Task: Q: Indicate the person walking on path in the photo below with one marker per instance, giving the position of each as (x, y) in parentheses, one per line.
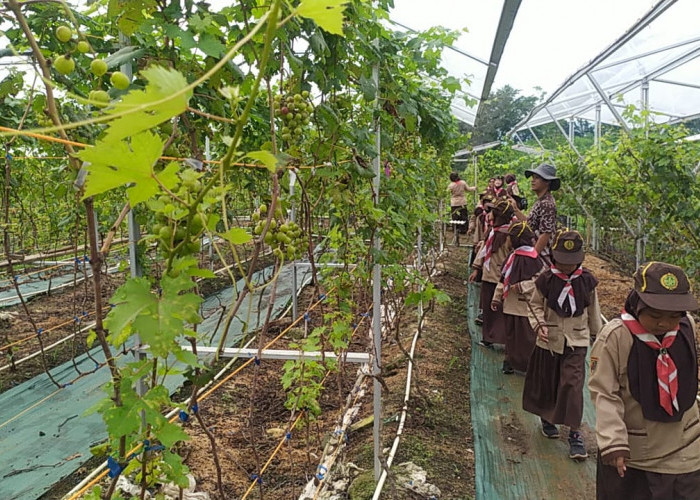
(458, 201)
(643, 384)
(489, 261)
(543, 214)
(517, 278)
(565, 314)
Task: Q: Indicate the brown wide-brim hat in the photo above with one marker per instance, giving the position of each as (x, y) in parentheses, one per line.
(568, 247)
(664, 287)
(547, 172)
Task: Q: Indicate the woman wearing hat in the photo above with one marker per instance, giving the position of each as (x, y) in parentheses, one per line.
(543, 214)
(489, 261)
(458, 201)
(518, 275)
(565, 314)
(644, 385)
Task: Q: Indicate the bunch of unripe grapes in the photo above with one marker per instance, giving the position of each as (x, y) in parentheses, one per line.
(65, 65)
(295, 112)
(173, 234)
(285, 238)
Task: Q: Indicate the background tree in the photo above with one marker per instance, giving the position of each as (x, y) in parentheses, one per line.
(503, 110)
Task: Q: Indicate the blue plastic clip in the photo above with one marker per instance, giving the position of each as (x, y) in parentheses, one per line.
(365, 315)
(307, 317)
(15, 279)
(184, 417)
(86, 258)
(77, 260)
(8, 156)
(321, 474)
(256, 478)
(39, 332)
(288, 436)
(63, 386)
(76, 319)
(256, 360)
(195, 408)
(85, 313)
(322, 296)
(114, 468)
(354, 325)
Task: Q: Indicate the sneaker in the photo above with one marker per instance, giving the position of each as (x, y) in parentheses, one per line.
(507, 368)
(577, 450)
(550, 430)
(487, 345)
(479, 319)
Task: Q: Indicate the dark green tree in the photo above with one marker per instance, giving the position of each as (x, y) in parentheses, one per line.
(500, 113)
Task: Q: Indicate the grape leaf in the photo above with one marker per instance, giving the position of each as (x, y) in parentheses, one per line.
(113, 164)
(328, 14)
(163, 98)
(266, 158)
(236, 236)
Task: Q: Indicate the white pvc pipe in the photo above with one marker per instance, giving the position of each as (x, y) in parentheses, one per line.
(402, 421)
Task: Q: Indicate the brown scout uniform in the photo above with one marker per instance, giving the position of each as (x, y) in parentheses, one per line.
(493, 328)
(621, 429)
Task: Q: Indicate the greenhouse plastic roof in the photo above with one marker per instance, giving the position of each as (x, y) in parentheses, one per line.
(654, 63)
(477, 54)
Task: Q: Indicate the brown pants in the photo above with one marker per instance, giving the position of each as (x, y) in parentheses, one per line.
(644, 485)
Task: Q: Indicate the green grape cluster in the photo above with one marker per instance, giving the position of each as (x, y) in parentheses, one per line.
(285, 238)
(65, 65)
(174, 236)
(294, 111)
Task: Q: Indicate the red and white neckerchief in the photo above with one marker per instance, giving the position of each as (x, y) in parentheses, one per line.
(567, 293)
(498, 191)
(525, 251)
(666, 371)
(488, 245)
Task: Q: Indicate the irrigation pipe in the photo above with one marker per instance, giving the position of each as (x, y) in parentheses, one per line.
(402, 420)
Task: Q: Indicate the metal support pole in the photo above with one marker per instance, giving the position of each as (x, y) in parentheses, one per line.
(596, 129)
(441, 228)
(594, 235)
(571, 130)
(134, 236)
(563, 132)
(376, 287)
(292, 217)
(207, 155)
(419, 265)
(536, 138)
(607, 101)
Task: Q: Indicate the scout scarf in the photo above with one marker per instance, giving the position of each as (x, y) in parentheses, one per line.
(567, 293)
(666, 372)
(523, 251)
(487, 251)
(551, 288)
(642, 372)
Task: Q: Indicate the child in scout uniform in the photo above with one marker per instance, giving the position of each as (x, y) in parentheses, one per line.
(518, 275)
(643, 384)
(564, 313)
(489, 261)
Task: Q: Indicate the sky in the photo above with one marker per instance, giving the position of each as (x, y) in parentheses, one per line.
(550, 39)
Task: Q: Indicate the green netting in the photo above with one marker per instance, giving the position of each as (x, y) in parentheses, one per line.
(513, 459)
(44, 435)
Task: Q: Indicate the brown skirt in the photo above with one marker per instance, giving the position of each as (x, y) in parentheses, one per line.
(644, 485)
(554, 385)
(520, 341)
(494, 328)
